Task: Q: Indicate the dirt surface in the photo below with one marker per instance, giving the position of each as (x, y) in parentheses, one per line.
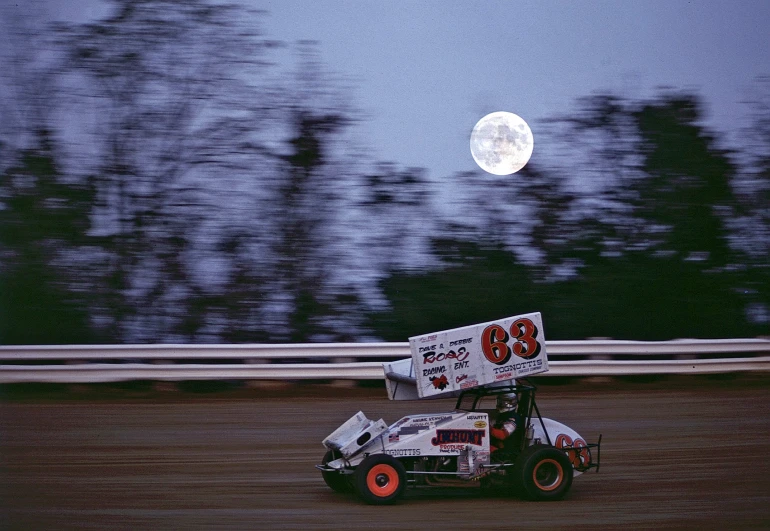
(682, 454)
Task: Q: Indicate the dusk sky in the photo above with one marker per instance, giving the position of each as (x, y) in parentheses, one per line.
(423, 73)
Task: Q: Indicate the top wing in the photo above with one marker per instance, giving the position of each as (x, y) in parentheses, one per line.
(445, 363)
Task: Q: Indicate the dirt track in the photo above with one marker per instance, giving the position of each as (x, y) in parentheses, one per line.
(689, 454)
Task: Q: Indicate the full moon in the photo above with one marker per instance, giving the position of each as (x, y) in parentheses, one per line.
(502, 143)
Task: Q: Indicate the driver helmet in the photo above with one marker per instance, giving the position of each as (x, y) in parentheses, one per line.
(507, 402)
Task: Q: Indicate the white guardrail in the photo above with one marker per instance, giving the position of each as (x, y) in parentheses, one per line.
(341, 361)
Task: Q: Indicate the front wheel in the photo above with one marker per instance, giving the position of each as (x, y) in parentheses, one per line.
(334, 480)
(380, 479)
(543, 473)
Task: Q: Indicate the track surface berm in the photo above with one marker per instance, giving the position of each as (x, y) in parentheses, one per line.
(677, 453)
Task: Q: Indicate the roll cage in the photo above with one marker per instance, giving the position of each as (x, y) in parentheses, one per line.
(473, 400)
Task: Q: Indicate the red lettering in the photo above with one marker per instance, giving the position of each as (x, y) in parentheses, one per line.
(524, 332)
(494, 341)
(493, 344)
(431, 357)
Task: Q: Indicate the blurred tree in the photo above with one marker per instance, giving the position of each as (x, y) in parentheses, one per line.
(750, 223)
(44, 217)
(395, 213)
(473, 284)
(172, 96)
(231, 311)
(394, 219)
(171, 91)
(652, 258)
(42, 221)
(631, 241)
(307, 199)
(484, 251)
(510, 212)
(307, 298)
(684, 201)
(686, 184)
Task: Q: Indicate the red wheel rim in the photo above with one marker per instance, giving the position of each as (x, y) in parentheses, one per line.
(382, 480)
(548, 474)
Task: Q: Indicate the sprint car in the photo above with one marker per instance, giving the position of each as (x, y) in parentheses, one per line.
(378, 462)
(475, 364)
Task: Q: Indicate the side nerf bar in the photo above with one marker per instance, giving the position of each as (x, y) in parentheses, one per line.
(591, 462)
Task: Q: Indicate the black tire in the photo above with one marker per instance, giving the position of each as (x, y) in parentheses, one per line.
(542, 473)
(380, 479)
(335, 481)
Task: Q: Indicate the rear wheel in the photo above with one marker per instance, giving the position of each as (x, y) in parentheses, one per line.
(335, 481)
(543, 473)
(380, 479)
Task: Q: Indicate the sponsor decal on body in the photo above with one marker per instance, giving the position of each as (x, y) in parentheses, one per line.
(437, 418)
(412, 425)
(443, 437)
(401, 452)
(451, 448)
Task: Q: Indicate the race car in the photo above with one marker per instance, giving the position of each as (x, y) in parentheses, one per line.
(378, 462)
(477, 364)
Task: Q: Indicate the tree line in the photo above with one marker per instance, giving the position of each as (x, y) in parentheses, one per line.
(163, 178)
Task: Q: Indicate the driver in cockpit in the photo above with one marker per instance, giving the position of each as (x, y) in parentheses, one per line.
(506, 422)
